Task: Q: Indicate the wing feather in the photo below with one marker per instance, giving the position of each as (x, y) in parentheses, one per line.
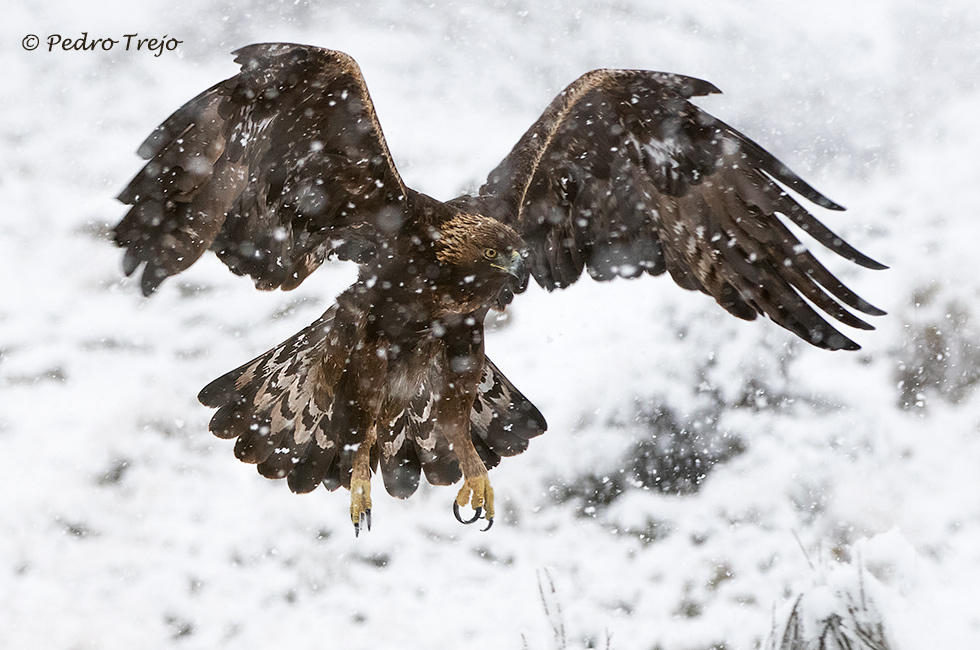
(435, 454)
(623, 175)
(275, 169)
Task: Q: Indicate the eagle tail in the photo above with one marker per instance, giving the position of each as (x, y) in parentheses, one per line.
(502, 422)
(411, 445)
(280, 409)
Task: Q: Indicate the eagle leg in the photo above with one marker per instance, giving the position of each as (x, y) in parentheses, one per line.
(360, 504)
(360, 483)
(463, 361)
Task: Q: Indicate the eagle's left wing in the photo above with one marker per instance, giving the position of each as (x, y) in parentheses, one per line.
(622, 175)
(274, 169)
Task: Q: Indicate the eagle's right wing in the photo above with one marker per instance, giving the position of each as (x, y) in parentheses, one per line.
(275, 169)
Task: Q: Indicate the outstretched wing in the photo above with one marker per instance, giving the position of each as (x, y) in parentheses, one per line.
(622, 175)
(275, 169)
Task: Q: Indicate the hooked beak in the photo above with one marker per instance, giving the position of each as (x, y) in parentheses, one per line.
(516, 267)
(518, 270)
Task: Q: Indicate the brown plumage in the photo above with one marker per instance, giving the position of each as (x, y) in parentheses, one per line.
(284, 166)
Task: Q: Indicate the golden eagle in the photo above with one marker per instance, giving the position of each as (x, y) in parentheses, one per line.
(284, 165)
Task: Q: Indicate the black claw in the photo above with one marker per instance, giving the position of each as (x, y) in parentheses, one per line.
(479, 511)
(489, 524)
(365, 518)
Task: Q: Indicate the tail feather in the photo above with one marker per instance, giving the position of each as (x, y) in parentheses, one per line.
(279, 405)
(264, 435)
(438, 461)
(502, 421)
(399, 459)
(283, 459)
(501, 424)
(312, 469)
(291, 449)
(412, 445)
(333, 478)
(232, 419)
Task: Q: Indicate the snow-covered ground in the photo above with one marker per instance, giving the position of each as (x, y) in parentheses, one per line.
(852, 479)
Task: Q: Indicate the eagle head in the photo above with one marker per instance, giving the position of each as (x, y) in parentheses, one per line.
(485, 257)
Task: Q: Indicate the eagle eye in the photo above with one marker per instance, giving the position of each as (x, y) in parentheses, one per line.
(490, 253)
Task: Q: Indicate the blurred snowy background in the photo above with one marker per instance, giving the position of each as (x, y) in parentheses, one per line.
(699, 475)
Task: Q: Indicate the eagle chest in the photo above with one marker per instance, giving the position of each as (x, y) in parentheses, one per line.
(451, 348)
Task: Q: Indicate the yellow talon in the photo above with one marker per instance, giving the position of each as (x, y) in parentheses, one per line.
(360, 503)
(477, 492)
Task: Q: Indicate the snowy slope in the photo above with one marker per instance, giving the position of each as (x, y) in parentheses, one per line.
(838, 476)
